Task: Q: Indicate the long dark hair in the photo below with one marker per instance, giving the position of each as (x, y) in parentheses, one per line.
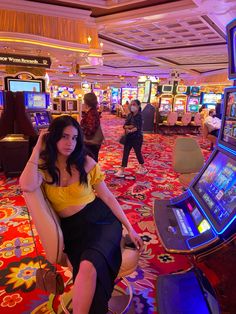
(49, 154)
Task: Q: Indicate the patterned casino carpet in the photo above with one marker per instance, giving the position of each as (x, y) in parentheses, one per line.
(136, 193)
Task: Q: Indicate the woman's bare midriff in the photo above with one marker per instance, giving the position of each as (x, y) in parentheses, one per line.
(70, 210)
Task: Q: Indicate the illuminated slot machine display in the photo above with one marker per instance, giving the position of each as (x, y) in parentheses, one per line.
(1, 102)
(98, 92)
(210, 99)
(141, 88)
(128, 94)
(86, 87)
(147, 91)
(19, 85)
(115, 95)
(180, 100)
(202, 221)
(166, 100)
(193, 99)
(154, 87)
(36, 107)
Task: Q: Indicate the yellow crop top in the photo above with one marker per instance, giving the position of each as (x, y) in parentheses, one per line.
(74, 194)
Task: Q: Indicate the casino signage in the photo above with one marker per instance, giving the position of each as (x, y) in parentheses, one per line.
(10, 59)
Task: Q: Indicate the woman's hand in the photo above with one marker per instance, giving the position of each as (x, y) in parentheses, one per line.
(135, 238)
(41, 139)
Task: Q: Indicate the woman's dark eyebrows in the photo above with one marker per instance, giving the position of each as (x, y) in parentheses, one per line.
(67, 134)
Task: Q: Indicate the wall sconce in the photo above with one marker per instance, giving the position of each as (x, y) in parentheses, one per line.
(101, 45)
(89, 39)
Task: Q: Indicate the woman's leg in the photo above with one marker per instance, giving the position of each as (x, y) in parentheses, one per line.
(137, 145)
(84, 288)
(126, 151)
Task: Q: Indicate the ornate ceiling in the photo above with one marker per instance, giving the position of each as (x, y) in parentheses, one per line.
(138, 37)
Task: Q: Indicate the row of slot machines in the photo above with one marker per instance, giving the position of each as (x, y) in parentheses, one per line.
(204, 217)
(184, 103)
(180, 103)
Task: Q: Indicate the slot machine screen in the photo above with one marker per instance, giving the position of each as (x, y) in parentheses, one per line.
(181, 89)
(36, 100)
(72, 105)
(24, 85)
(211, 99)
(193, 108)
(193, 101)
(167, 89)
(42, 119)
(1, 100)
(228, 130)
(147, 90)
(195, 90)
(216, 190)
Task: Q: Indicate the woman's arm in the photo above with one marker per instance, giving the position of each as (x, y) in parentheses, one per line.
(31, 178)
(109, 199)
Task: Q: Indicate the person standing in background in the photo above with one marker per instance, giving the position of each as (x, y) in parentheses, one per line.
(134, 138)
(90, 124)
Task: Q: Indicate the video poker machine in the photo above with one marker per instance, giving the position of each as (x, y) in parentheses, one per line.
(31, 112)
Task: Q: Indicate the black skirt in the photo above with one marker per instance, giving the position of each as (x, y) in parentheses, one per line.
(94, 234)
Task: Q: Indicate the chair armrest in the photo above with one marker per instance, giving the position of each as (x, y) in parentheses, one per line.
(47, 225)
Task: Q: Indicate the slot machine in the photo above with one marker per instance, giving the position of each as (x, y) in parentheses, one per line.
(202, 221)
(193, 100)
(31, 114)
(166, 100)
(180, 100)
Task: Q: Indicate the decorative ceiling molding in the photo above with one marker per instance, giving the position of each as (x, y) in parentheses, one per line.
(47, 9)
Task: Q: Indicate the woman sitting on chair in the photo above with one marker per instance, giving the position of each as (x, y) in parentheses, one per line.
(91, 218)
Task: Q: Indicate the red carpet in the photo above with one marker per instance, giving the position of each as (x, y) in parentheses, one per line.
(136, 193)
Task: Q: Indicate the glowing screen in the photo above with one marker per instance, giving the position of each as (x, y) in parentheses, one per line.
(217, 189)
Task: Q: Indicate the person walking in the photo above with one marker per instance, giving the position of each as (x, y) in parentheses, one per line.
(134, 138)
